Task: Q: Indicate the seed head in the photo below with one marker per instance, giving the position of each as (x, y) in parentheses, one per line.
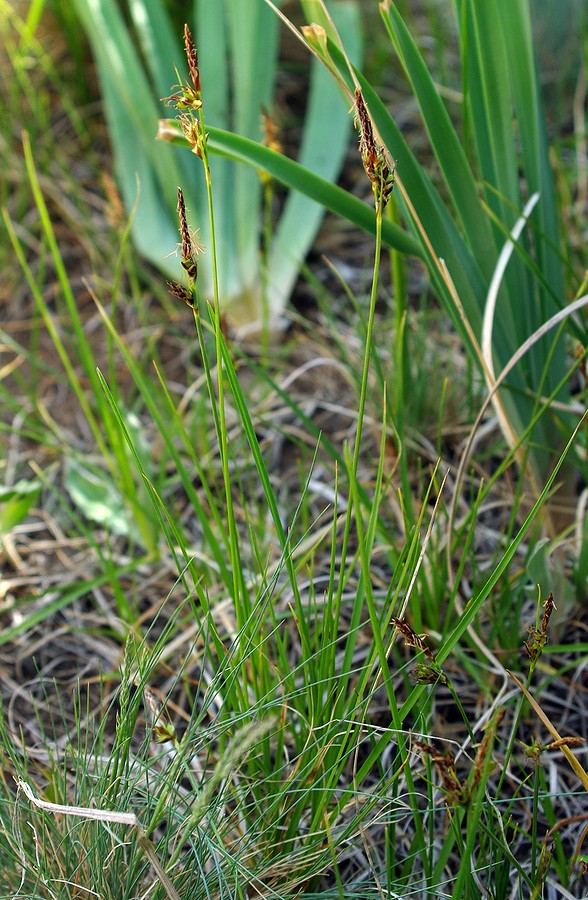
(547, 612)
(180, 293)
(538, 636)
(193, 133)
(373, 156)
(192, 57)
(188, 253)
(188, 96)
(455, 793)
(412, 639)
(483, 762)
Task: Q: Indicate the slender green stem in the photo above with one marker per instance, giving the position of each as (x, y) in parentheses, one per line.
(368, 340)
(349, 650)
(239, 588)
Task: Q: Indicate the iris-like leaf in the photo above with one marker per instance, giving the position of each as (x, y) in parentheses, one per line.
(237, 47)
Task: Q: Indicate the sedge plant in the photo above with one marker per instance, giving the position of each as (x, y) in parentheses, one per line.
(494, 308)
(261, 731)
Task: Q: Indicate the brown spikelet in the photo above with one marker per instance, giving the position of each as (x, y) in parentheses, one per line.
(483, 761)
(538, 636)
(192, 57)
(188, 96)
(188, 256)
(180, 293)
(373, 156)
(547, 612)
(566, 741)
(270, 132)
(184, 230)
(455, 792)
(367, 144)
(411, 638)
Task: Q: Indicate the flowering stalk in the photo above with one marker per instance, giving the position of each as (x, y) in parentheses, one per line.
(382, 179)
(189, 248)
(188, 101)
(429, 672)
(381, 175)
(538, 635)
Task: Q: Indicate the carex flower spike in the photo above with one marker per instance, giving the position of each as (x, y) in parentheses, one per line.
(188, 99)
(180, 293)
(538, 636)
(192, 57)
(373, 155)
(189, 250)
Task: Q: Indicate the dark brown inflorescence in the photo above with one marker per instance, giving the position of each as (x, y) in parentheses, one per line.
(374, 157)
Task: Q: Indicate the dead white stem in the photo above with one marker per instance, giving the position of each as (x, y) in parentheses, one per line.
(422, 554)
(490, 309)
(112, 817)
(569, 310)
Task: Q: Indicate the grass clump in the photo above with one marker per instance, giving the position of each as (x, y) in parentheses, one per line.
(270, 644)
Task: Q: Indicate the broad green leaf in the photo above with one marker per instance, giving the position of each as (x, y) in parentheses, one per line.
(132, 111)
(296, 177)
(98, 498)
(445, 144)
(324, 145)
(486, 197)
(510, 137)
(15, 503)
